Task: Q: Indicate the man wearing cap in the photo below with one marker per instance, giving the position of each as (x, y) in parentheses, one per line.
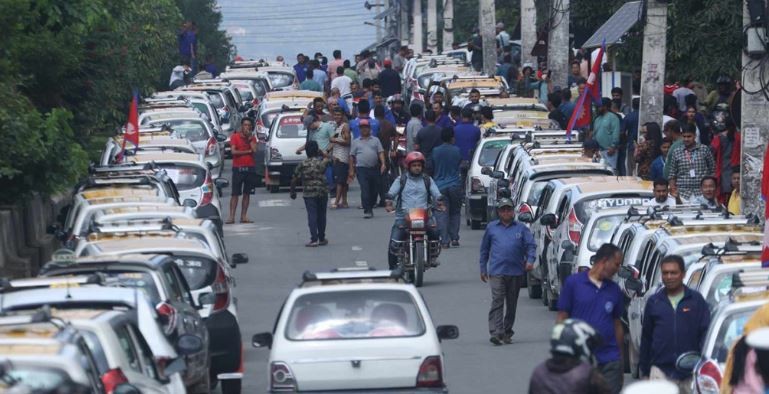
(507, 253)
(367, 161)
(389, 80)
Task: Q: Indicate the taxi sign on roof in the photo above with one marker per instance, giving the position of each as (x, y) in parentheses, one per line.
(290, 120)
(293, 93)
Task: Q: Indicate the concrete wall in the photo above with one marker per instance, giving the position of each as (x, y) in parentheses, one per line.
(24, 243)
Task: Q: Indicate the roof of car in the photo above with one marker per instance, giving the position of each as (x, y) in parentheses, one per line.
(165, 157)
(483, 82)
(118, 191)
(48, 348)
(567, 164)
(145, 200)
(497, 101)
(145, 208)
(714, 233)
(616, 184)
(292, 94)
(275, 68)
(150, 244)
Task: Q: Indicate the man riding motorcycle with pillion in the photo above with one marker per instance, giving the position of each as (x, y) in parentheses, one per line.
(411, 190)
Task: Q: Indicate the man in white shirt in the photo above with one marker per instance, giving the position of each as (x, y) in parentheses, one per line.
(341, 82)
(661, 195)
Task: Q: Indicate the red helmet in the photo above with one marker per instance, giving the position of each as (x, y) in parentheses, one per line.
(412, 157)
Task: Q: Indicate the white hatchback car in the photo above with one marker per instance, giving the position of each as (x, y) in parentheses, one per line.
(355, 330)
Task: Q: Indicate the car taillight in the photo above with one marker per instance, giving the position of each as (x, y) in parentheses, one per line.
(525, 208)
(167, 314)
(430, 373)
(211, 146)
(281, 378)
(476, 186)
(575, 227)
(208, 191)
(275, 154)
(113, 378)
(254, 103)
(221, 290)
(709, 378)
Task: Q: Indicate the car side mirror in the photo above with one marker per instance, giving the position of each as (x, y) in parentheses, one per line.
(497, 174)
(188, 344)
(686, 362)
(628, 272)
(221, 183)
(635, 286)
(503, 183)
(126, 388)
(239, 258)
(188, 202)
(525, 217)
(447, 332)
(262, 340)
(547, 220)
(261, 136)
(176, 366)
(207, 299)
(486, 171)
(220, 137)
(567, 245)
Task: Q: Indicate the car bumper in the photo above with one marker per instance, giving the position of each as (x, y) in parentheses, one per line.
(477, 206)
(280, 174)
(224, 342)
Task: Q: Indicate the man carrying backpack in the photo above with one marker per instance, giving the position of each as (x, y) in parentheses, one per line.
(411, 190)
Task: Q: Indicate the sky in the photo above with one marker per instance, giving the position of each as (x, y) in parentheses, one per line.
(268, 28)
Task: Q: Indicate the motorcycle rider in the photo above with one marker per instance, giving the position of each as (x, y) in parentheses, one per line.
(413, 189)
(571, 369)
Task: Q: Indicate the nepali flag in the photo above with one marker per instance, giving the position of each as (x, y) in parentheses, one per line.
(581, 116)
(765, 197)
(132, 126)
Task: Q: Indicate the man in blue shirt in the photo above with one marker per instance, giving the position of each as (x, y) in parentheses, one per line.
(300, 68)
(446, 160)
(593, 297)
(466, 137)
(363, 113)
(508, 251)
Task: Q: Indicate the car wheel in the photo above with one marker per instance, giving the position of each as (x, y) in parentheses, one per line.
(475, 224)
(419, 265)
(274, 188)
(535, 291)
(231, 386)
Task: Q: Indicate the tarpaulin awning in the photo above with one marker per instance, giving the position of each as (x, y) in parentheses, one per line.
(616, 27)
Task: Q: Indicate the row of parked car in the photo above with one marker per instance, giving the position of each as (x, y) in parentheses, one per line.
(140, 299)
(574, 204)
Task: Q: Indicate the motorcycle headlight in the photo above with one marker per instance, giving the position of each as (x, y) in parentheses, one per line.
(418, 224)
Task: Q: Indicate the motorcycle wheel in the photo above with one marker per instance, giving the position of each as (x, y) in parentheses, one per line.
(419, 266)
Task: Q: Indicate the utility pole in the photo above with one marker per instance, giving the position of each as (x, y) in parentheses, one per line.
(416, 12)
(528, 32)
(448, 24)
(653, 63)
(403, 22)
(432, 26)
(755, 123)
(558, 47)
(487, 25)
(377, 9)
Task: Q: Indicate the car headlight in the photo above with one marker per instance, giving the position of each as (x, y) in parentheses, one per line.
(275, 154)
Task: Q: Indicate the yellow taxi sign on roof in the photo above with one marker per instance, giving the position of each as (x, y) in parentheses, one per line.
(745, 233)
(292, 93)
(29, 349)
(501, 102)
(150, 156)
(118, 192)
(495, 82)
(131, 234)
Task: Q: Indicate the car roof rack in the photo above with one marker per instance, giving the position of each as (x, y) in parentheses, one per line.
(351, 275)
(731, 247)
(8, 285)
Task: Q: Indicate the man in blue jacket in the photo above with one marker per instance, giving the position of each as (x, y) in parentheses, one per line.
(675, 321)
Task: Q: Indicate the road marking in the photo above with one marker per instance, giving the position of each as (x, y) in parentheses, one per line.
(274, 203)
(357, 248)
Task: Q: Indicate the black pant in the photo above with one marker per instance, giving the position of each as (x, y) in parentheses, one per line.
(397, 233)
(384, 186)
(504, 290)
(368, 178)
(316, 217)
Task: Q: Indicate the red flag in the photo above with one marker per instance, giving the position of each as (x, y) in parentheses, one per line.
(132, 126)
(581, 115)
(765, 197)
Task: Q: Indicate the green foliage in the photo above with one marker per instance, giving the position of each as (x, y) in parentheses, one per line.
(466, 17)
(211, 40)
(67, 68)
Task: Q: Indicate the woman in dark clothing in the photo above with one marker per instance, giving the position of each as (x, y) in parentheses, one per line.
(649, 149)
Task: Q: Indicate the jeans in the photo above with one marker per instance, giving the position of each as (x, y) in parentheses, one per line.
(504, 290)
(316, 217)
(368, 178)
(621, 161)
(610, 160)
(400, 234)
(330, 180)
(448, 220)
(613, 374)
(384, 186)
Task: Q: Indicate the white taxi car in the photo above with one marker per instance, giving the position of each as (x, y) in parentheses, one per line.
(355, 329)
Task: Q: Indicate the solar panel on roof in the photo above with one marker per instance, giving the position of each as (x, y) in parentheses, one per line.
(616, 27)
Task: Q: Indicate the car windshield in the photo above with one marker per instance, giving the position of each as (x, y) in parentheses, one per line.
(722, 286)
(191, 129)
(730, 331)
(216, 100)
(354, 314)
(491, 151)
(268, 117)
(281, 80)
(602, 231)
(185, 177)
(202, 107)
(585, 207)
(291, 127)
(536, 192)
(245, 91)
(34, 379)
(198, 271)
(135, 279)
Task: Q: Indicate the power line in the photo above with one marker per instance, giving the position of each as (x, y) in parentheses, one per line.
(259, 19)
(294, 4)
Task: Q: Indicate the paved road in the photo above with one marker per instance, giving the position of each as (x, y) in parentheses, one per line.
(454, 292)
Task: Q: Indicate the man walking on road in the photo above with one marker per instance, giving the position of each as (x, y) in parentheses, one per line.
(244, 176)
(312, 174)
(446, 159)
(676, 321)
(367, 160)
(593, 297)
(508, 251)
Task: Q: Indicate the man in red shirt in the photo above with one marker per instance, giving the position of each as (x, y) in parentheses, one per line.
(244, 176)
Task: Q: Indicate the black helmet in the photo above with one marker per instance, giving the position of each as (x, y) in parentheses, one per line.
(724, 79)
(575, 338)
